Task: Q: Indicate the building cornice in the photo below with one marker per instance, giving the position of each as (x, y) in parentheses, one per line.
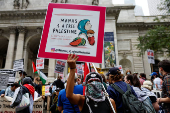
(141, 24)
(22, 13)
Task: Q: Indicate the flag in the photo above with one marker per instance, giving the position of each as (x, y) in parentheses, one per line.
(34, 68)
(43, 77)
(86, 71)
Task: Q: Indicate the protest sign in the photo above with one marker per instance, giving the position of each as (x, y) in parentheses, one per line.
(47, 92)
(3, 81)
(11, 74)
(40, 63)
(71, 28)
(5, 105)
(18, 65)
(120, 68)
(150, 54)
(60, 65)
(79, 69)
(43, 90)
(109, 50)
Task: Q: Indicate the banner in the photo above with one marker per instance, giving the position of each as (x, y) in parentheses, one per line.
(150, 54)
(3, 81)
(40, 63)
(71, 28)
(11, 74)
(18, 65)
(5, 105)
(60, 65)
(109, 50)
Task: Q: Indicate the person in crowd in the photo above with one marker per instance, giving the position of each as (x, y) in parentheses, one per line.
(64, 103)
(164, 70)
(22, 76)
(142, 78)
(58, 83)
(104, 81)
(2, 91)
(54, 107)
(37, 85)
(10, 90)
(128, 72)
(153, 76)
(142, 92)
(157, 82)
(94, 100)
(27, 87)
(115, 77)
(79, 82)
(135, 73)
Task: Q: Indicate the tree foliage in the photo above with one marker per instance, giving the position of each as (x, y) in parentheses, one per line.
(157, 38)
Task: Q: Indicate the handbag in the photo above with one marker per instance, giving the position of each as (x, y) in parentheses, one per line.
(25, 102)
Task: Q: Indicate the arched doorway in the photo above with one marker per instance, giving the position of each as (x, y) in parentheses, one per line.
(3, 51)
(155, 66)
(32, 51)
(126, 65)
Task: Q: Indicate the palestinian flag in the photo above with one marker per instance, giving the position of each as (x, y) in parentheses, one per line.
(34, 68)
(43, 77)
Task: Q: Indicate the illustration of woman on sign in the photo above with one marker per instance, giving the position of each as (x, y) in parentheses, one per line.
(85, 33)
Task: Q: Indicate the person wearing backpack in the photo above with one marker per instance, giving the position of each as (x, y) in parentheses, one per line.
(144, 94)
(94, 100)
(122, 93)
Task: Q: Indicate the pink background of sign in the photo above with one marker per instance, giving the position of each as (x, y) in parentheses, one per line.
(98, 58)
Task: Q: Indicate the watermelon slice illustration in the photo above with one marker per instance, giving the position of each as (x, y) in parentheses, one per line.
(78, 42)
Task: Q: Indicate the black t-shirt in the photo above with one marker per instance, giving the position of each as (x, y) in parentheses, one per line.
(59, 84)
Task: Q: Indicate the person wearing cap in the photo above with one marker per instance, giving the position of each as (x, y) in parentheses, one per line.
(54, 107)
(94, 100)
(157, 82)
(64, 103)
(115, 77)
(10, 90)
(22, 76)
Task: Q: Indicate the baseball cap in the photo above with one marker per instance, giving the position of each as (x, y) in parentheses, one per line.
(153, 73)
(92, 76)
(57, 89)
(113, 71)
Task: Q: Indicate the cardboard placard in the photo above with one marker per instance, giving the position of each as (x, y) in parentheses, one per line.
(11, 74)
(5, 105)
(3, 81)
(71, 28)
(40, 63)
(150, 54)
(60, 65)
(18, 65)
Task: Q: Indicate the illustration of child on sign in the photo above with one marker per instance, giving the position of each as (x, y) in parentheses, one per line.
(85, 33)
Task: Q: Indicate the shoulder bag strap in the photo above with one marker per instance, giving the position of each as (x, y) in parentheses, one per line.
(117, 88)
(129, 88)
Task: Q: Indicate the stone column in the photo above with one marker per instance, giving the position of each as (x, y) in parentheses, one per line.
(51, 68)
(20, 43)
(10, 51)
(25, 58)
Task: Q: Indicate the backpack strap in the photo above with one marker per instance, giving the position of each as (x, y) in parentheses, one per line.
(117, 88)
(128, 88)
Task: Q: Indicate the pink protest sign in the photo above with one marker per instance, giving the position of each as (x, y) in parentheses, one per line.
(75, 29)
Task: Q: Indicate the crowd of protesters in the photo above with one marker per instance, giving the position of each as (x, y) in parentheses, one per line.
(113, 92)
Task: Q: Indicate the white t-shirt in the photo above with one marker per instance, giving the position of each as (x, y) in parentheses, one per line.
(157, 81)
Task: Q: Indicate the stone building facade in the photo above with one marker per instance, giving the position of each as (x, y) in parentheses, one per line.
(21, 23)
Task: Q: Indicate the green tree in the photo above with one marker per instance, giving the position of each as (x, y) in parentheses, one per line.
(158, 37)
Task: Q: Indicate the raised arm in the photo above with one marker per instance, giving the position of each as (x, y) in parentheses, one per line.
(73, 98)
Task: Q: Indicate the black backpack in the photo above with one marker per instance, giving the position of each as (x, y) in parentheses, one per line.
(130, 103)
